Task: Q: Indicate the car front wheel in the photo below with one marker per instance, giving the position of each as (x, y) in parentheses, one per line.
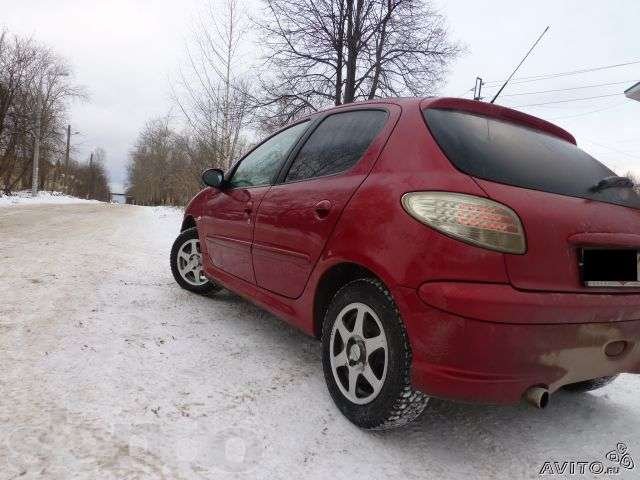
(366, 358)
(186, 263)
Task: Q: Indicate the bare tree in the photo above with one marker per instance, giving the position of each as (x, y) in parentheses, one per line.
(89, 180)
(210, 91)
(165, 165)
(321, 52)
(25, 67)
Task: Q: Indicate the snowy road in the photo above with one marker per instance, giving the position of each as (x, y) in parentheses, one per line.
(110, 371)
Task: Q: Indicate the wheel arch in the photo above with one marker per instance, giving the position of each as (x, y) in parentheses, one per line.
(332, 280)
(188, 222)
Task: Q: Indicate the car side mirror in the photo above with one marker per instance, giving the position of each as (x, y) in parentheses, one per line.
(213, 177)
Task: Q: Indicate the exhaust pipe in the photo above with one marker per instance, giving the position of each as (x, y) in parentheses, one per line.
(537, 396)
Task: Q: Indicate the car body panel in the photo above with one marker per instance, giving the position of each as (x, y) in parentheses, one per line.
(490, 362)
(292, 227)
(494, 302)
(382, 230)
(551, 262)
(295, 219)
(194, 208)
(227, 221)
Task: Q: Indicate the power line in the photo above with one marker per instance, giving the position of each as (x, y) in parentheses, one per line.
(534, 78)
(614, 149)
(564, 101)
(567, 89)
(616, 105)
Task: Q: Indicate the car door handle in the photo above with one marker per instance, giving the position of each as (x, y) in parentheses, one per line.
(248, 208)
(322, 209)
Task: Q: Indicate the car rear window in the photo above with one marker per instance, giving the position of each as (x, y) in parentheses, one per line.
(512, 154)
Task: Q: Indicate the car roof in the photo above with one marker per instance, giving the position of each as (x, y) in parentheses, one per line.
(472, 106)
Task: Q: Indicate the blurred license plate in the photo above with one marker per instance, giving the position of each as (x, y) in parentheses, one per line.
(610, 267)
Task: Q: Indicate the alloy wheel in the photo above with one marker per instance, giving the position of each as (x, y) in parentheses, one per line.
(190, 263)
(359, 353)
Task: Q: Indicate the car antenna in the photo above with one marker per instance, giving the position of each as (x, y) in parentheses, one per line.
(521, 62)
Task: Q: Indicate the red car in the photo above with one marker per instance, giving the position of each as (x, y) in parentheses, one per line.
(438, 247)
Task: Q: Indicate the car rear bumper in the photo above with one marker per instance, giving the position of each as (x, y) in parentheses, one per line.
(468, 346)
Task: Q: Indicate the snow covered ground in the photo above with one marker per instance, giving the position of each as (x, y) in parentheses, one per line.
(110, 371)
(23, 197)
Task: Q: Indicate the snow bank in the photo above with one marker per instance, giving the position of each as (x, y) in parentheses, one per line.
(24, 197)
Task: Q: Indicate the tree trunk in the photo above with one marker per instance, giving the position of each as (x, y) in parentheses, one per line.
(339, 48)
(354, 33)
(379, 49)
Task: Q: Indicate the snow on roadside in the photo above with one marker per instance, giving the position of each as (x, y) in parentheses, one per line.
(165, 211)
(24, 197)
(111, 370)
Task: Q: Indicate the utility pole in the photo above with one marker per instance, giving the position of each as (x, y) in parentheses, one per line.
(90, 176)
(66, 156)
(36, 142)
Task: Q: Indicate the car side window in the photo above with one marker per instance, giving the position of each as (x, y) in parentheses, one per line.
(262, 165)
(337, 144)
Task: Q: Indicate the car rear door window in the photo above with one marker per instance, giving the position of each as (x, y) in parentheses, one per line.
(337, 144)
(261, 165)
(512, 154)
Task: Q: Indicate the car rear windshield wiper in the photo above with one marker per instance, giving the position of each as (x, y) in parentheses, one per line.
(612, 182)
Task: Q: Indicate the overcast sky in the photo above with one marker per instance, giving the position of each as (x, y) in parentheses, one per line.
(125, 52)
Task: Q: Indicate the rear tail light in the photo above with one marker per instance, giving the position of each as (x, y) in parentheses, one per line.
(474, 220)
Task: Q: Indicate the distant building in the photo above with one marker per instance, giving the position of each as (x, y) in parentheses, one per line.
(633, 92)
(119, 197)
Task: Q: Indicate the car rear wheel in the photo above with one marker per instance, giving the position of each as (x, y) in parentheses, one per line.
(367, 358)
(186, 263)
(589, 385)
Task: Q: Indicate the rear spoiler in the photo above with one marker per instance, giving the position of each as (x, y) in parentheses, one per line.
(498, 112)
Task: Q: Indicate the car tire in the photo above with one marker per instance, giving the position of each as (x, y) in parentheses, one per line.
(588, 385)
(376, 345)
(186, 263)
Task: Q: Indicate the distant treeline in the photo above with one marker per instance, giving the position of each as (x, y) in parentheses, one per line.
(166, 165)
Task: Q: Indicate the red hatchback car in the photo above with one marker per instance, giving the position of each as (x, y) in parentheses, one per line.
(438, 247)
